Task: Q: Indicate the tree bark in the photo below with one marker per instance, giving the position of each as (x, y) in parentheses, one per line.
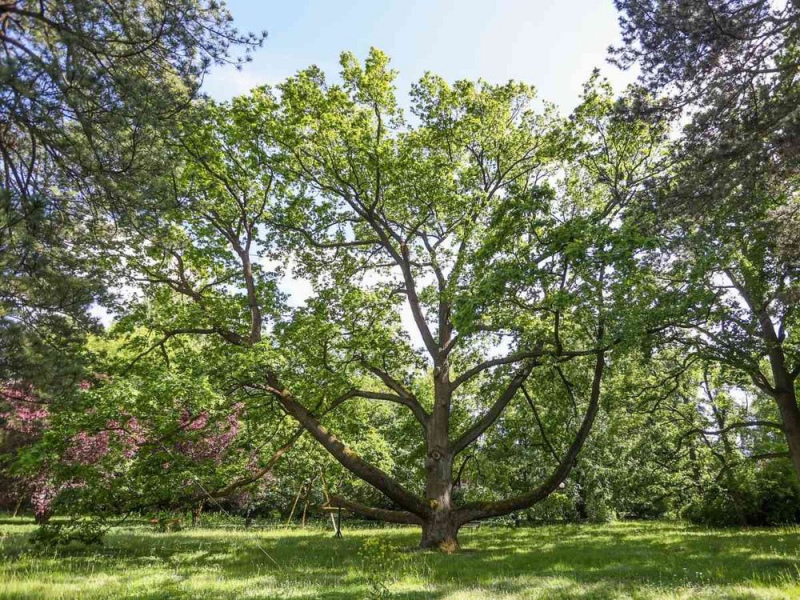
(381, 514)
(783, 378)
(790, 414)
(439, 529)
(440, 532)
(783, 390)
(346, 456)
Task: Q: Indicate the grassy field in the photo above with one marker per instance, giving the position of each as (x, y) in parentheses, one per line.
(619, 560)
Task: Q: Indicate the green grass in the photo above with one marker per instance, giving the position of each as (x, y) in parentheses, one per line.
(621, 560)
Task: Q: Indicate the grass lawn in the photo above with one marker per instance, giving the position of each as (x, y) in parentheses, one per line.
(619, 560)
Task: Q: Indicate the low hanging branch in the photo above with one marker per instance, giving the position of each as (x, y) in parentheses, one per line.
(381, 514)
(263, 471)
(347, 457)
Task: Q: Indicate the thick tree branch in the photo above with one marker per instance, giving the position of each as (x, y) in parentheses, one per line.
(416, 305)
(381, 514)
(345, 455)
(403, 395)
(263, 471)
(417, 410)
(495, 362)
(482, 510)
(491, 415)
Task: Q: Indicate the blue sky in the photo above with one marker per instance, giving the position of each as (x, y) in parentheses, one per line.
(553, 45)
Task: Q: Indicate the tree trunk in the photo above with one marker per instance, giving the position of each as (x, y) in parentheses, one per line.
(294, 506)
(306, 501)
(697, 478)
(730, 480)
(196, 512)
(17, 506)
(581, 500)
(440, 533)
(439, 529)
(783, 381)
(785, 397)
(790, 415)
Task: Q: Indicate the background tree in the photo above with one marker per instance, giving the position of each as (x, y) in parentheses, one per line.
(155, 431)
(730, 203)
(85, 88)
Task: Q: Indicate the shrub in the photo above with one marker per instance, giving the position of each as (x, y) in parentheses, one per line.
(768, 495)
(88, 533)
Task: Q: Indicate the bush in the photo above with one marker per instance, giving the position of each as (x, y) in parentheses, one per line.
(88, 533)
(769, 495)
(778, 494)
(558, 506)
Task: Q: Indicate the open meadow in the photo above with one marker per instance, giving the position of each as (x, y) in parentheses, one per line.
(640, 560)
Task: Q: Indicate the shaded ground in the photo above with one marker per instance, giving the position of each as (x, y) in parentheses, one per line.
(621, 560)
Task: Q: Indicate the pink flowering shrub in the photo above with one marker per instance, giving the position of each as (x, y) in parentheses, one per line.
(90, 448)
(218, 435)
(21, 411)
(101, 445)
(23, 417)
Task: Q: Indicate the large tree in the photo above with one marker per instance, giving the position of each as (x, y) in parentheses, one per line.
(450, 261)
(729, 207)
(87, 90)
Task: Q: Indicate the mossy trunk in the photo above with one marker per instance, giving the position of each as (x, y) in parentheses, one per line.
(439, 530)
(440, 533)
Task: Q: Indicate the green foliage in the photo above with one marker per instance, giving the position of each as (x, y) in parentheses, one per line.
(85, 532)
(472, 264)
(763, 496)
(89, 93)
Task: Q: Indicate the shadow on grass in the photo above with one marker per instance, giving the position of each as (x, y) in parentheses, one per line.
(597, 561)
